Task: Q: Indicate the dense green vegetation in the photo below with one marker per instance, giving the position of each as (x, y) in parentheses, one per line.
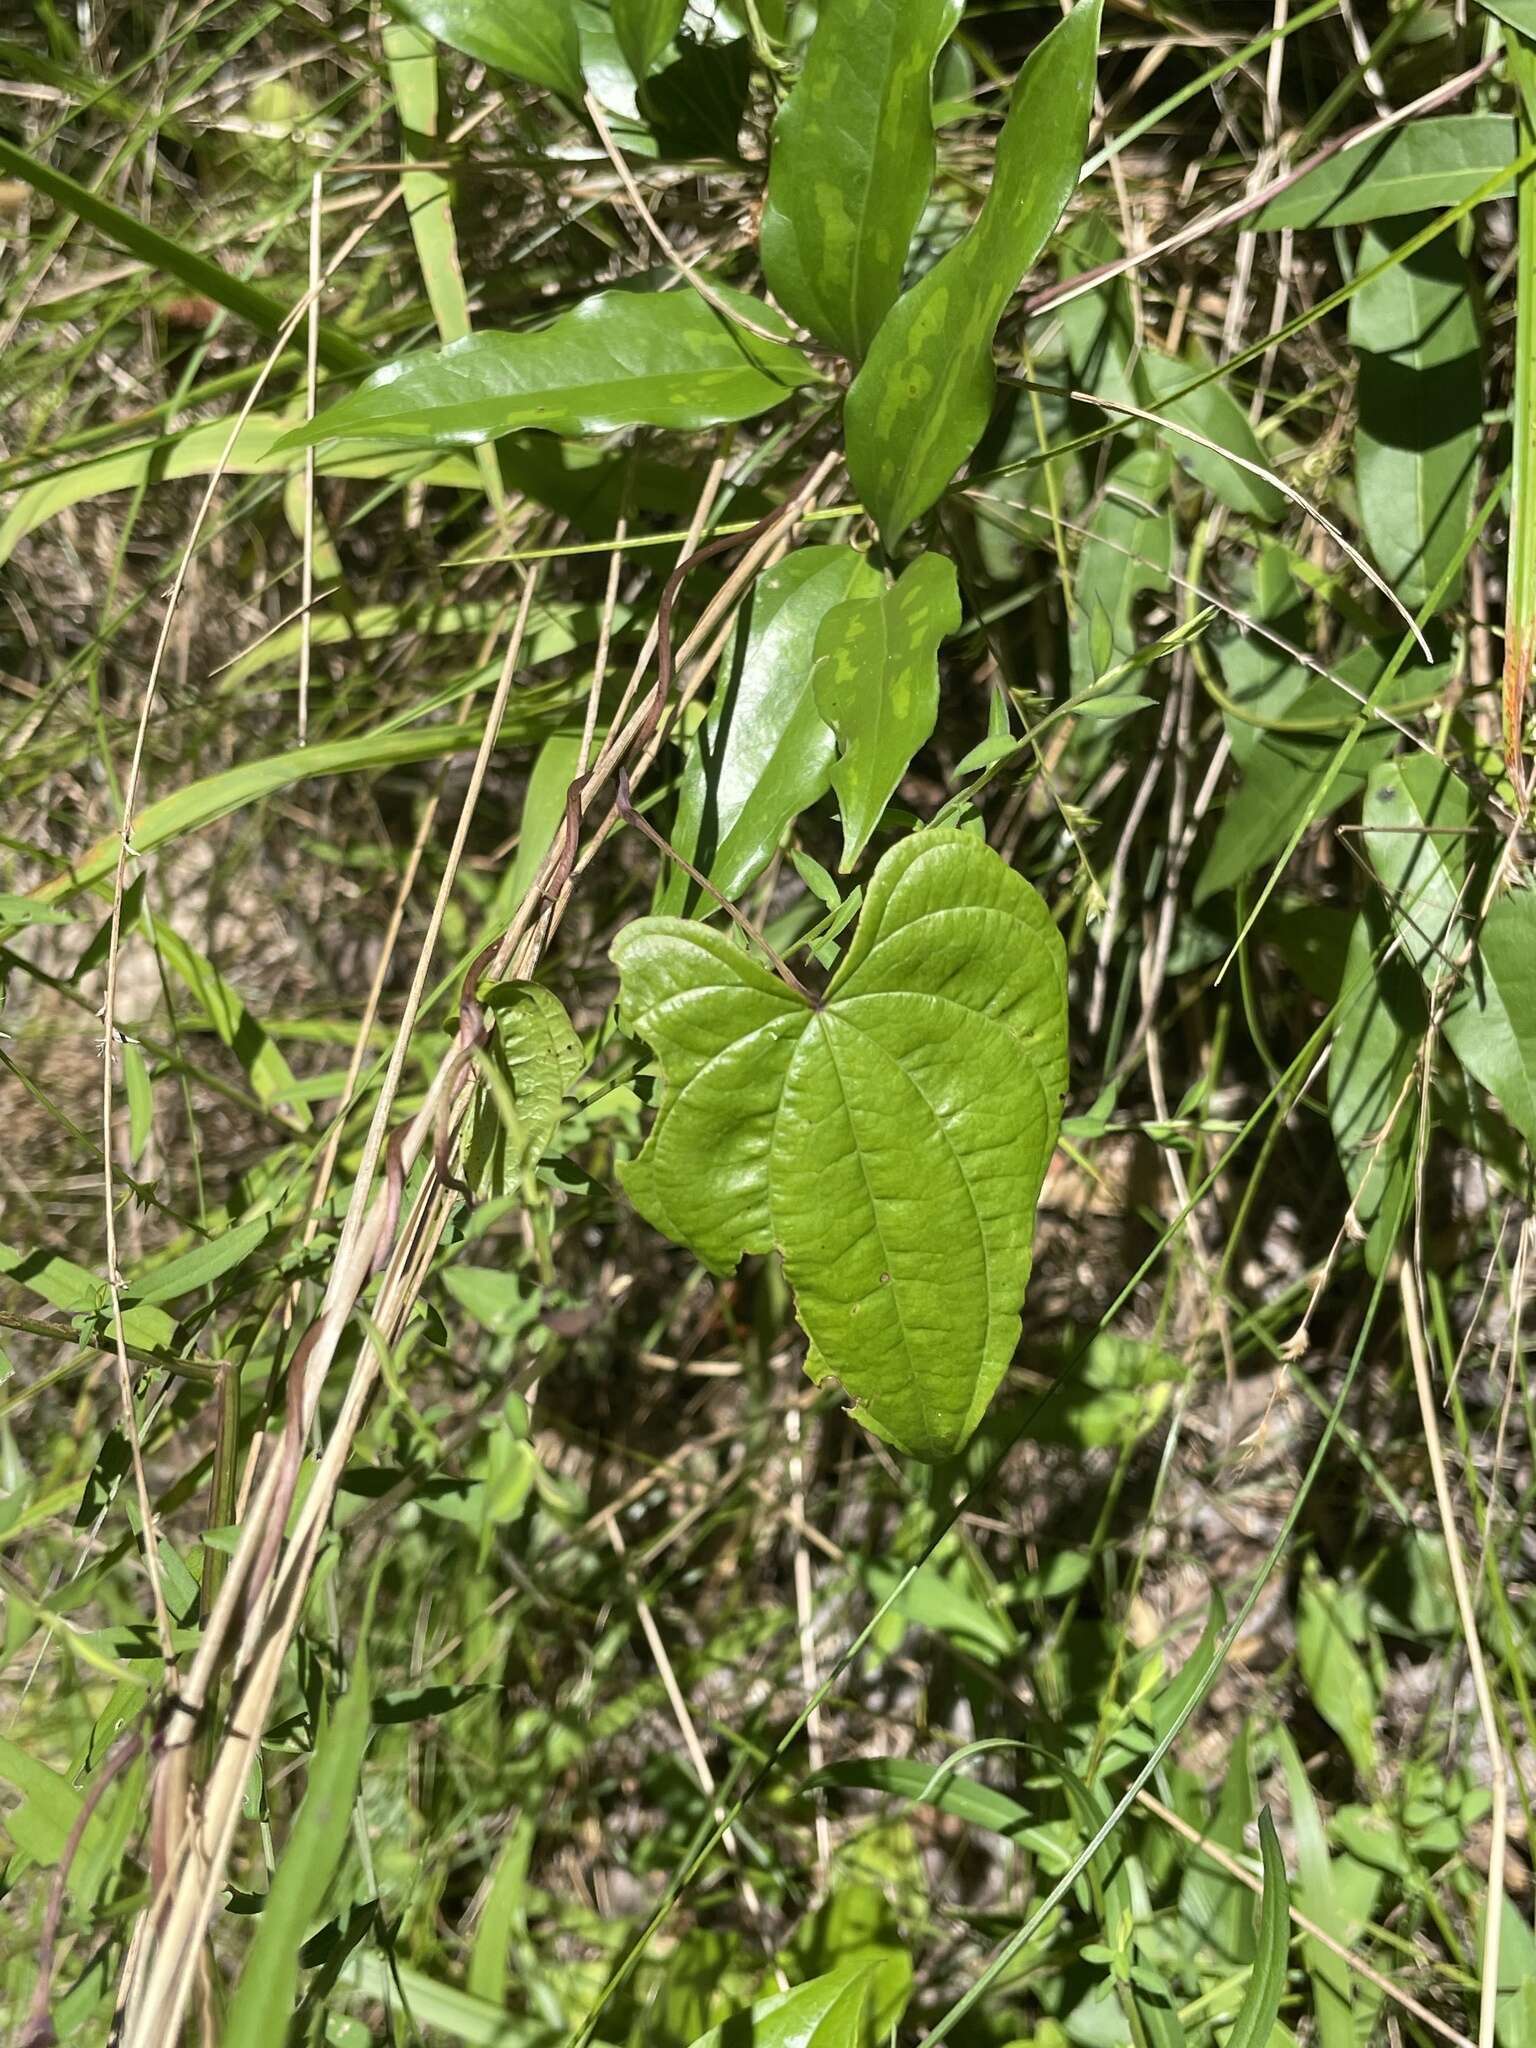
(769, 1023)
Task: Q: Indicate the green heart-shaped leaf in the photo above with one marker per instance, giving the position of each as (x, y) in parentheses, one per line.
(889, 1141)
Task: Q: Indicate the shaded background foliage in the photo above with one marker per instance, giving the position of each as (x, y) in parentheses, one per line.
(594, 1483)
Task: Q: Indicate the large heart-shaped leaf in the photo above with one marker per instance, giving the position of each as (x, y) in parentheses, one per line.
(889, 1140)
(922, 400)
(876, 683)
(852, 165)
(619, 359)
(854, 2006)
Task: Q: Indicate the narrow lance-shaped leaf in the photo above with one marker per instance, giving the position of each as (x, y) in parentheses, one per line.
(876, 683)
(619, 359)
(1429, 164)
(1491, 1024)
(1266, 1984)
(1421, 411)
(922, 400)
(764, 752)
(854, 2006)
(852, 165)
(889, 1140)
(533, 39)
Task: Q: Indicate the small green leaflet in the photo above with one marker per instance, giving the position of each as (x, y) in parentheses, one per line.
(852, 165)
(763, 753)
(619, 359)
(924, 396)
(889, 1142)
(533, 39)
(1421, 411)
(876, 683)
(854, 2006)
(1431, 163)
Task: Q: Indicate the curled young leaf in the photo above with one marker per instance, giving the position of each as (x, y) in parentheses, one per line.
(889, 1140)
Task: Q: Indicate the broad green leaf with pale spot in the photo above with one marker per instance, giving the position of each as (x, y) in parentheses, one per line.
(854, 2006)
(1430, 164)
(763, 753)
(534, 39)
(876, 683)
(619, 359)
(1421, 411)
(923, 398)
(852, 165)
(889, 1141)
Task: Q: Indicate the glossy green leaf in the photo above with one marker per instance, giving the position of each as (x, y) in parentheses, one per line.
(890, 1142)
(1421, 411)
(533, 39)
(853, 2006)
(1213, 412)
(618, 359)
(1432, 163)
(876, 683)
(852, 165)
(764, 752)
(1520, 14)
(644, 29)
(1371, 1106)
(922, 400)
(265, 1994)
(1260, 2008)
